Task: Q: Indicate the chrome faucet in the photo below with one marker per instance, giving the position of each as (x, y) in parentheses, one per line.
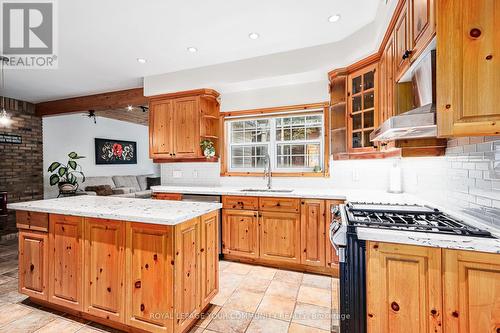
(267, 171)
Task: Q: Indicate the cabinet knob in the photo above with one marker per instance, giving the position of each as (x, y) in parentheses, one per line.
(455, 314)
(32, 267)
(395, 306)
(407, 54)
(137, 284)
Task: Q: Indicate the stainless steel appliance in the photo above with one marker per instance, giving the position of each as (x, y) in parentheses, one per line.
(351, 250)
(207, 198)
(420, 122)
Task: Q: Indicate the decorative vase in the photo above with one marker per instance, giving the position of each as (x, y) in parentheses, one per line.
(209, 152)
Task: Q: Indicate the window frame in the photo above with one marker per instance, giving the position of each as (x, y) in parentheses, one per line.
(272, 114)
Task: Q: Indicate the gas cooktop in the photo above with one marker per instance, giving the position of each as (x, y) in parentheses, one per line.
(409, 218)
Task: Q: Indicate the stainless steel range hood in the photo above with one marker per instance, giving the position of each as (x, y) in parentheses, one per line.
(415, 124)
(420, 122)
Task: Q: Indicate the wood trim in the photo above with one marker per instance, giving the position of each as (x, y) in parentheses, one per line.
(99, 102)
(267, 111)
(363, 63)
(187, 93)
(177, 160)
(283, 265)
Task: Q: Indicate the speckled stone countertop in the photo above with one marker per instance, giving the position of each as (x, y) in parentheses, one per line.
(123, 209)
(307, 193)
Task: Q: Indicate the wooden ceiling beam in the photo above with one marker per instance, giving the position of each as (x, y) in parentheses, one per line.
(99, 102)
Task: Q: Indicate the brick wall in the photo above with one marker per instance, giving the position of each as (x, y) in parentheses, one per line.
(21, 164)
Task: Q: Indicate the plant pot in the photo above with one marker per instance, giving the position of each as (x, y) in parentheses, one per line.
(67, 187)
(209, 152)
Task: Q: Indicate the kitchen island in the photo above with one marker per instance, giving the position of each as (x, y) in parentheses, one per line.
(133, 264)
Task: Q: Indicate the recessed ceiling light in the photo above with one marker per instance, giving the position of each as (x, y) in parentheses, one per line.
(141, 60)
(130, 107)
(253, 35)
(192, 49)
(334, 18)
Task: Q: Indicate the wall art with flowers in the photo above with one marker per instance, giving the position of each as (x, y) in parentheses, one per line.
(109, 151)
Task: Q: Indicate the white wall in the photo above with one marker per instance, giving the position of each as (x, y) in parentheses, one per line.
(64, 134)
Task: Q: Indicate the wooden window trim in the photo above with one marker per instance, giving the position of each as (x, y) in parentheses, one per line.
(293, 110)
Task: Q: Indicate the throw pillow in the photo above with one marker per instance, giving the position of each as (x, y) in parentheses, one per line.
(152, 181)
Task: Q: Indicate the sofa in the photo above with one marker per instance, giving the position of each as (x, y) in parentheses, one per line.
(122, 186)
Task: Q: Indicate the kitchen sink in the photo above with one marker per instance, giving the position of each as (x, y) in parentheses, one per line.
(265, 190)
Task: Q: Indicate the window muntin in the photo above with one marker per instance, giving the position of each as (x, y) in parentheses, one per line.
(295, 143)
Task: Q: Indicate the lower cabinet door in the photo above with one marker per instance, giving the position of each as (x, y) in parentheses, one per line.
(104, 272)
(240, 233)
(471, 291)
(312, 232)
(187, 274)
(66, 263)
(33, 268)
(209, 257)
(149, 268)
(280, 237)
(403, 288)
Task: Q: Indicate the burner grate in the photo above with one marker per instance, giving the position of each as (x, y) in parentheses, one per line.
(409, 218)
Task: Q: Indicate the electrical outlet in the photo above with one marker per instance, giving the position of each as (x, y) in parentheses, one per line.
(177, 174)
(355, 175)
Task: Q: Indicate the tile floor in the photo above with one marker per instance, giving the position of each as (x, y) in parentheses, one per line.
(251, 299)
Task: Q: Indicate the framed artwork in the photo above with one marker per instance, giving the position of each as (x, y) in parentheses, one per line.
(108, 151)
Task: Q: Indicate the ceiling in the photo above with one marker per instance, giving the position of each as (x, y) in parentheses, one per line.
(99, 41)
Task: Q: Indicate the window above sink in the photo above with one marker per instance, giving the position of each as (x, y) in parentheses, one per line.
(294, 139)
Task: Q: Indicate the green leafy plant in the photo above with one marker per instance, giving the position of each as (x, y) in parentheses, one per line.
(207, 148)
(66, 173)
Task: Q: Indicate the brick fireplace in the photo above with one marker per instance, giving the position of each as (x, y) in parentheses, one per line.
(21, 167)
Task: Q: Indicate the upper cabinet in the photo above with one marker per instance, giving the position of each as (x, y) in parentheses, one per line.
(468, 67)
(423, 24)
(362, 107)
(178, 122)
(402, 42)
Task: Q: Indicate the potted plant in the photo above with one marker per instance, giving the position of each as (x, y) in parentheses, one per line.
(64, 175)
(208, 148)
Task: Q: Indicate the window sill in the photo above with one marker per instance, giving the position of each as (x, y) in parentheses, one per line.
(276, 174)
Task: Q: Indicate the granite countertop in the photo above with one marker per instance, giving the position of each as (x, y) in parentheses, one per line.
(308, 193)
(122, 209)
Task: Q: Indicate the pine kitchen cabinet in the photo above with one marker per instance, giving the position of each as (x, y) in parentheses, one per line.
(178, 122)
(153, 267)
(33, 264)
(468, 68)
(427, 289)
(280, 232)
(312, 232)
(403, 286)
(471, 291)
(240, 236)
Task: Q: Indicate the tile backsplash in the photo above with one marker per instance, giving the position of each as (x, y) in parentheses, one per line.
(467, 179)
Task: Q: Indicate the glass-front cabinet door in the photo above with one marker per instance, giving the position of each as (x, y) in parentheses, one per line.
(362, 108)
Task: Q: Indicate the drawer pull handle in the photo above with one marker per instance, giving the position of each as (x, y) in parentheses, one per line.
(395, 306)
